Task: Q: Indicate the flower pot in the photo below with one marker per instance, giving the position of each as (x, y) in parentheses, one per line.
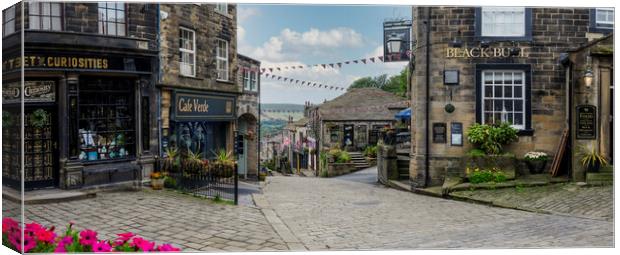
(593, 168)
(536, 166)
(157, 184)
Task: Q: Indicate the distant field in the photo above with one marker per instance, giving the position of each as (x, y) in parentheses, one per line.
(275, 116)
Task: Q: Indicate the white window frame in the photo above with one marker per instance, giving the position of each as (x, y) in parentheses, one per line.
(254, 81)
(597, 22)
(192, 52)
(104, 22)
(503, 97)
(37, 18)
(8, 21)
(495, 13)
(246, 80)
(221, 8)
(222, 74)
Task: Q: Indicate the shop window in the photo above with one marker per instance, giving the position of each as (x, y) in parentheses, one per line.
(206, 138)
(112, 18)
(221, 8)
(334, 133)
(246, 80)
(45, 16)
(222, 59)
(106, 119)
(253, 81)
(602, 20)
(504, 95)
(187, 50)
(8, 21)
(513, 23)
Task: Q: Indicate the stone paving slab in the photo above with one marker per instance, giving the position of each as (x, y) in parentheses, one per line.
(336, 214)
(188, 222)
(593, 202)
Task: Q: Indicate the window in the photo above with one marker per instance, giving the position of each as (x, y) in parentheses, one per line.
(106, 119)
(246, 80)
(8, 21)
(510, 23)
(504, 97)
(602, 20)
(253, 82)
(112, 18)
(221, 8)
(187, 50)
(44, 16)
(222, 59)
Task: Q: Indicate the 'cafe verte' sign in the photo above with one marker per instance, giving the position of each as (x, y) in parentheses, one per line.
(479, 52)
(191, 106)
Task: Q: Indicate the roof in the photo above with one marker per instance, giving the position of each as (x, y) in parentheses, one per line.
(301, 122)
(361, 104)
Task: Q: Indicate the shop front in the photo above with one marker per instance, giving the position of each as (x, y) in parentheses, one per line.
(200, 123)
(86, 118)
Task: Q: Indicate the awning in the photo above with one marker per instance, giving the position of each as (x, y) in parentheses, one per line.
(404, 114)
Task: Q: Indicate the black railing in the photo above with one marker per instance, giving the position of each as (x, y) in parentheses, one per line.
(218, 183)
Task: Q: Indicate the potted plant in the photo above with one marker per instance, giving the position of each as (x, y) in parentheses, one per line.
(223, 163)
(157, 180)
(536, 161)
(591, 159)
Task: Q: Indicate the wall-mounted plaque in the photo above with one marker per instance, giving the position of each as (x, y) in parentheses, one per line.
(456, 134)
(586, 122)
(439, 132)
(34, 91)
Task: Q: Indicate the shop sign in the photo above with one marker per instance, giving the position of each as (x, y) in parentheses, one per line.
(34, 91)
(77, 62)
(586, 122)
(196, 107)
(439, 132)
(477, 52)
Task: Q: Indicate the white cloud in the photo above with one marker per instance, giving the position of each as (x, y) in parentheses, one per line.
(244, 13)
(240, 33)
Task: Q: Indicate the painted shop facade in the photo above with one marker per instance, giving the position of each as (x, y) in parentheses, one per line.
(508, 64)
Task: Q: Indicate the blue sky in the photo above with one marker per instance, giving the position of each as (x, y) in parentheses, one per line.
(282, 35)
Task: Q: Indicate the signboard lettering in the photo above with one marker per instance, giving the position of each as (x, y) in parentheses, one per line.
(477, 52)
(34, 91)
(192, 106)
(586, 122)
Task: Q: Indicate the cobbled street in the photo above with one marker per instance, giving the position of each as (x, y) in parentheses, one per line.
(351, 213)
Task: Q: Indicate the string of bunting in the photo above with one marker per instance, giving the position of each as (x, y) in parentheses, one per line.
(301, 82)
(325, 66)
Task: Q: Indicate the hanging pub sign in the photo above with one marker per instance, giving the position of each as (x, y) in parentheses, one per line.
(190, 106)
(439, 132)
(77, 62)
(397, 41)
(34, 92)
(586, 122)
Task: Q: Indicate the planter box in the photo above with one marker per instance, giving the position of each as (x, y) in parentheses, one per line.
(506, 164)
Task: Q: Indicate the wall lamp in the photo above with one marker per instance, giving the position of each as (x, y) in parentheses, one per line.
(456, 43)
(588, 77)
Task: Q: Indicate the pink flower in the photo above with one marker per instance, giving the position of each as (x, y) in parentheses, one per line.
(9, 225)
(88, 237)
(62, 243)
(60, 249)
(32, 228)
(167, 248)
(45, 235)
(143, 244)
(102, 246)
(29, 242)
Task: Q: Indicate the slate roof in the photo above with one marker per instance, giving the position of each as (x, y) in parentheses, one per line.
(362, 104)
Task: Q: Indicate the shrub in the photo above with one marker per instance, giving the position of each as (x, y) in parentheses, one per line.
(476, 153)
(370, 151)
(491, 138)
(479, 176)
(343, 157)
(170, 182)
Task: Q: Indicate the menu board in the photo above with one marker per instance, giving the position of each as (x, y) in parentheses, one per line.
(586, 122)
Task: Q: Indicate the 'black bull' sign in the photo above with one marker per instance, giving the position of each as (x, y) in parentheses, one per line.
(199, 107)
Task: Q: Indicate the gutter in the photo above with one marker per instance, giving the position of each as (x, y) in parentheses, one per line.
(427, 102)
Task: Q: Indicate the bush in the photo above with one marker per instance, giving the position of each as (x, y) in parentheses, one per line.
(370, 151)
(343, 157)
(480, 176)
(476, 153)
(491, 138)
(170, 183)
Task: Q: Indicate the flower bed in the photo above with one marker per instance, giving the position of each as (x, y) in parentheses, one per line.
(38, 239)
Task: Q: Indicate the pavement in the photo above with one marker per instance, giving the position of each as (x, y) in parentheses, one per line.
(353, 212)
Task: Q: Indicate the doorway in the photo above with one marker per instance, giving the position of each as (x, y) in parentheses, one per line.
(40, 147)
(348, 140)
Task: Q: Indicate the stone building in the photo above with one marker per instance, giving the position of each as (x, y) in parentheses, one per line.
(198, 77)
(352, 120)
(89, 92)
(494, 64)
(248, 115)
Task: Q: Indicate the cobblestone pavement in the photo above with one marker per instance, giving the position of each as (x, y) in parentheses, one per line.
(164, 216)
(595, 202)
(341, 214)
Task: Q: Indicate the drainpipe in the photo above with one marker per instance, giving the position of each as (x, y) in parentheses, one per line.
(427, 107)
(159, 75)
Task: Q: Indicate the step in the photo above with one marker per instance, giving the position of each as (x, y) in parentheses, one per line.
(599, 178)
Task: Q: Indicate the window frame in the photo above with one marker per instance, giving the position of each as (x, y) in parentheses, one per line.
(246, 80)
(218, 10)
(596, 27)
(218, 58)
(40, 15)
(6, 21)
(184, 50)
(102, 24)
(254, 81)
(527, 36)
(527, 96)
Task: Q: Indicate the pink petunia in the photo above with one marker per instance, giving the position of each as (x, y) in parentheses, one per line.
(101, 246)
(29, 242)
(167, 248)
(143, 244)
(44, 235)
(88, 237)
(32, 228)
(9, 225)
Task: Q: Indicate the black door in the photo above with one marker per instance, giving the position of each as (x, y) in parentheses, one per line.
(40, 147)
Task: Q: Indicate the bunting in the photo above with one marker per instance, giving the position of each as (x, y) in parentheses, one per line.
(306, 83)
(328, 65)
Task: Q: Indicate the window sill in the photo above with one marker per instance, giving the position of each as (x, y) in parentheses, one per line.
(222, 13)
(525, 132)
(190, 77)
(225, 81)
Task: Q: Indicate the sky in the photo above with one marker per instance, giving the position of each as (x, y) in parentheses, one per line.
(286, 34)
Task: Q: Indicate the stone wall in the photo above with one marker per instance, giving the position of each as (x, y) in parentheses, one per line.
(554, 31)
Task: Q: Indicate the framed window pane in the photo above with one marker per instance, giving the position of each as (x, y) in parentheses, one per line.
(508, 105)
(111, 28)
(46, 9)
(56, 9)
(34, 22)
(518, 105)
(111, 15)
(33, 9)
(120, 29)
(56, 24)
(518, 91)
(498, 105)
(46, 23)
(498, 91)
(507, 91)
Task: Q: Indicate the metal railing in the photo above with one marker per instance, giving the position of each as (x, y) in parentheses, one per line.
(219, 182)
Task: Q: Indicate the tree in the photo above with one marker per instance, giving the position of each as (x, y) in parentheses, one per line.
(396, 84)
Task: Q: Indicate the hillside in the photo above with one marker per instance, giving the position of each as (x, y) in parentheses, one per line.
(275, 116)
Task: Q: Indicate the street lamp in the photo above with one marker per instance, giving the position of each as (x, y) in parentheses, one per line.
(394, 43)
(588, 76)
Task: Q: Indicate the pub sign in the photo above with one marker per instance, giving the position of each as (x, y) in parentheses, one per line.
(398, 30)
(586, 122)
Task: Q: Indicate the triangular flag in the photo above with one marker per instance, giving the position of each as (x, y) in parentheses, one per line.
(262, 70)
(363, 60)
(355, 61)
(297, 81)
(271, 70)
(279, 77)
(302, 82)
(285, 79)
(332, 65)
(347, 62)
(301, 67)
(339, 64)
(372, 59)
(278, 68)
(319, 85)
(380, 58)
(323, 65)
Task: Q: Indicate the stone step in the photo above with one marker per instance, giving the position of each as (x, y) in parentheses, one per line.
(607, 169)
(594, 178)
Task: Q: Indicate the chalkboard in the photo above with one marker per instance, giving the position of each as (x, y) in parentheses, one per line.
(439, 132)
(456, 134)
(586, 122)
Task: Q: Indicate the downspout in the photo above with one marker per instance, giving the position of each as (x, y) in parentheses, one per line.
(427, 102)
(259, 143)
(159, 78)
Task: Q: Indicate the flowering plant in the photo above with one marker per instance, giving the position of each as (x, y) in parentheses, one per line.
(38, 239)
(157, 175)
(536, 155)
